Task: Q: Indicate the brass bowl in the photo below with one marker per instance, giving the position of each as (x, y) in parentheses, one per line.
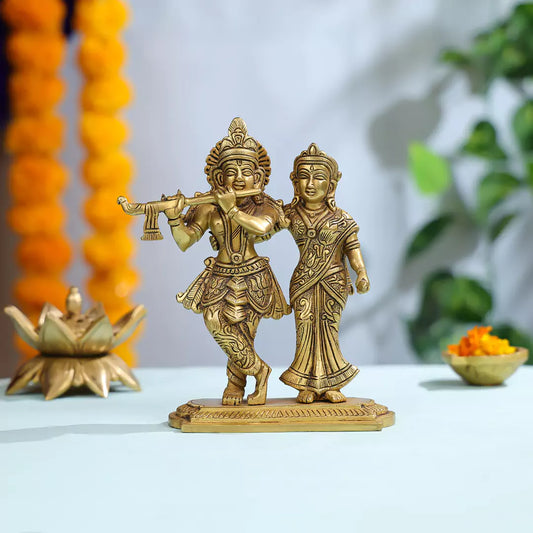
(486, 369)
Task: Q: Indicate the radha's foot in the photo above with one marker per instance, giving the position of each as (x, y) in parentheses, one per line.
(258, 397)
(306, 396)
(333, 396)
(232, 394)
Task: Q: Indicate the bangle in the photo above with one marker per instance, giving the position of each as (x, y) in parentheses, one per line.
(232, 212)
(173, 222)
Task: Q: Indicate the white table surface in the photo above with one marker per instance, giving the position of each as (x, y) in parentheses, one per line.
(459, 458)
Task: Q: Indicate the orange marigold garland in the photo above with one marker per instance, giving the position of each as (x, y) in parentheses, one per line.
(107, 170)
(36, 49)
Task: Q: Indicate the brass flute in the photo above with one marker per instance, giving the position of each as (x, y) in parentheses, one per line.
(151, 210)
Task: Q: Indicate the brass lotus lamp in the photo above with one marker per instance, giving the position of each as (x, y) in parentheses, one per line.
(75, 348)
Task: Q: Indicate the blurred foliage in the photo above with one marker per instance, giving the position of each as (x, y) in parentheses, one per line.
(431, 172)
(451, 303)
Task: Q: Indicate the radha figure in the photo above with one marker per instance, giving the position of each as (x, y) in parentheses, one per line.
(326, 236)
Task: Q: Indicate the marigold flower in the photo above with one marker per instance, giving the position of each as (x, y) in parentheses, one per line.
(102, 134)
(42, 134)
(34, 92)
(125, 352)
(41, 219)
(36, 51)
(117, 308)
(478, 341)
(106, 95)
(35, 290)
(114, 169)
(101, 19)
(112, 286)
(100, 57)
(22, 347)
(34, 178)
(103, 213)
(34, 14)
(48, 255)
(106, 251)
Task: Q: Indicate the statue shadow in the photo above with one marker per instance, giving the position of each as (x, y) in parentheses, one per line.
(449, 384)
(37, 434)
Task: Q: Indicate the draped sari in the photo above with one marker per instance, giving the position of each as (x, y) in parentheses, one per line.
(318, 291)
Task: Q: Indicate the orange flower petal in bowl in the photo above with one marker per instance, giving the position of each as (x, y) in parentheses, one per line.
(484, 359)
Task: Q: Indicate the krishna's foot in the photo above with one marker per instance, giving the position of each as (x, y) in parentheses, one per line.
(232, 394)
(258, 397)
(333, 396)
(306, 396)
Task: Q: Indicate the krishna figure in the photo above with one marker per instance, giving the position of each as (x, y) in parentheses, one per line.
(237, 288)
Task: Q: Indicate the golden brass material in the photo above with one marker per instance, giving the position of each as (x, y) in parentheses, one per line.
(210, 416)
(74, 348)
(237, 288)
(326, 237)
(486, 369)
(151, 210)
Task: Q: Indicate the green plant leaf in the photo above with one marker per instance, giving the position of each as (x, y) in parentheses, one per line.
(454, 57)
(523, 126)
(430, 342)
(520, 23)
(511, 63)
(499, 226)
(483, 142)
(450, 305)
(529, 173)
(461, 299)
(492, 190)
(515, 336)
(490, 43)
(427, 234)
(431, 171)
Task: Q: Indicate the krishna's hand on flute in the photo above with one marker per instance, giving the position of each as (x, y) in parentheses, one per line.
(225, 198)
(175, 210)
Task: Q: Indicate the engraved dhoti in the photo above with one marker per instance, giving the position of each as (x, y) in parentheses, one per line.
(232, 299)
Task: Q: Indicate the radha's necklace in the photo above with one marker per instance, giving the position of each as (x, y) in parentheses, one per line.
(312, 218)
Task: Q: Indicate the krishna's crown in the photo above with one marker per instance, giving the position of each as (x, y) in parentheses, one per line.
(237, 145)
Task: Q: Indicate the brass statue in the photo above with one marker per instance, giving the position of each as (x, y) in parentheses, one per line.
(237, 288)
(326, 237)
(75, 348)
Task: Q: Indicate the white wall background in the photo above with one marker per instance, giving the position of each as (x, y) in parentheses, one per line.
(359, 78)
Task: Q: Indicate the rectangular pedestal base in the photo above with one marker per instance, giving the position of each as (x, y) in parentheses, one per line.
(281, 414)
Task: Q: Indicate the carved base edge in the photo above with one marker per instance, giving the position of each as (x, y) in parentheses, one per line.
(281, 415)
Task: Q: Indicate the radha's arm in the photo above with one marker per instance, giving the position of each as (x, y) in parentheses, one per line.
(352, 249)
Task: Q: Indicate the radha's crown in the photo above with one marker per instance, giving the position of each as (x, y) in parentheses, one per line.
(314, 155)
(237, 145)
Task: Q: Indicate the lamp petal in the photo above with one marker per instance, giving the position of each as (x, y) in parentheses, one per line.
(56, 377)
(55, 337)
(96, 376)
(25, 373)
(119, 368)
(126, 325)
(95, 312)
(23, 326)
(48, 309)
(98, 337)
